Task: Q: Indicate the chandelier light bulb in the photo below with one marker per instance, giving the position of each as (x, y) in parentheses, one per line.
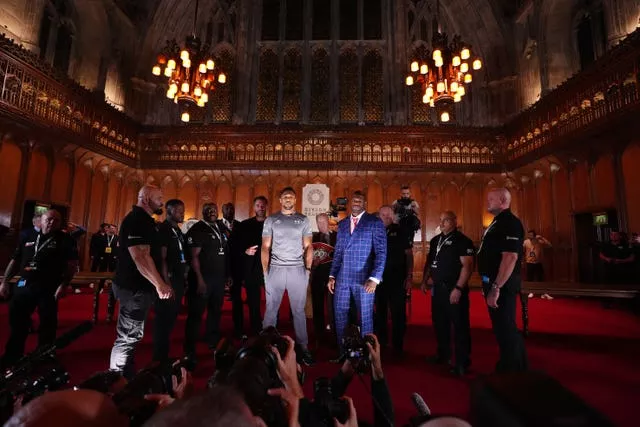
(424, 69)
(437, 54)
(409, 81)
(439, 62)
(222, 78)
(185, 117)
(200, 103)
(461, 90)
(205, 97)
(185, 87)
(186, 63)
(184, 55)
(440, 87)
(465, 53)
(454, 86)
(464, 67)
(425, 99)
(202, 68)
(167, 72)
(444, 117)
(457, 98)
(173, 87)
(477, 64)
(429, 92)
(414, 66)
(455, 61)
(156, 70)
(171, 64)
(432, 103)
(210, 64)
(197, 92)
(468, 78)
(170, 94)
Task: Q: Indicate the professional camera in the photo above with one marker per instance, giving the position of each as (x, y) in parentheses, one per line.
(407, 217)
(355, 349)
(156, 379)
(252, 370)
(340, 206)
(326, 405)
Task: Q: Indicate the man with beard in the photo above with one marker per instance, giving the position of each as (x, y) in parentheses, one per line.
(46, 260)
(209, 271)
(358, 264)
(287, 255)
(174, 269)
(247, 238)
(499, 265)
(138, 281)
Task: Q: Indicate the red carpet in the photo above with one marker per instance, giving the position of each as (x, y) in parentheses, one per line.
(590, 350)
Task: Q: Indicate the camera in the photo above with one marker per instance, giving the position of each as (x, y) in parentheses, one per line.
(355, 349)
(340, 206)
(155, 379)
(326, 405)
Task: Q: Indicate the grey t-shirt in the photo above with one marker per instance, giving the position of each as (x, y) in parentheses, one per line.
(286, 232)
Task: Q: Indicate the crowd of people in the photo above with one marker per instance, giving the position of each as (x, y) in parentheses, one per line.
(358, 273)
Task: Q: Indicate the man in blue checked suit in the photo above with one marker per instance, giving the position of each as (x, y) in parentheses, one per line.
(358, 263)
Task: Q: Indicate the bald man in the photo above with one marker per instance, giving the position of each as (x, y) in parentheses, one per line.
(499, 264)
(138, 282)
(46, 261)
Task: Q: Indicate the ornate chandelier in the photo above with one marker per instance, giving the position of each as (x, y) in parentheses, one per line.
(443, 74)
(191, 73)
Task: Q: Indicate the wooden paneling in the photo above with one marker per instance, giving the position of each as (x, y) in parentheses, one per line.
(431, 210)
(631, 170)
(36, 176)
(111, 215)
(374, 197)
(60, 181)
(580, 187)
(472, 204)
(243, 201)
(10, 159)
(98, 192)
(189, 195)
(544, 206)
(604, 183)
(224, 194)
(80, 183)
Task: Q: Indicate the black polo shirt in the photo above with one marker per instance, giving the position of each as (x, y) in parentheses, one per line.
(172, 238)
(398, 241)
(212, 241)
(504, 234)
(621, 251)
(138, 228)
(444, 256)
(250, 234)
(44, 269)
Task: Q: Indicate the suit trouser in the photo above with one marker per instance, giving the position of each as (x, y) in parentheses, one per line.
(166, 314)
(22, 305)
(391, 295)
(513, 356)
(445, 316)
(343, 293)
(212, 301)
(132, 313)
(294, 280)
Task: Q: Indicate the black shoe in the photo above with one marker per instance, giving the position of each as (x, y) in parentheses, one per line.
(438, 360)
(306, 358)
(458, 371)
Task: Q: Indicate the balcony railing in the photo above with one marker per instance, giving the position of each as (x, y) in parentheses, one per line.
(338, 148)
(36, 93)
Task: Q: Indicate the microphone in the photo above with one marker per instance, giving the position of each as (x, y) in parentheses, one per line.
(421, 406)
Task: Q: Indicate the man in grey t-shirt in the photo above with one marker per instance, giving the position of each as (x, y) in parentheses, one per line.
(286, 256)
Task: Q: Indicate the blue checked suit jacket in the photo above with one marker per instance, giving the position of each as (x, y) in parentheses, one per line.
(362, 254)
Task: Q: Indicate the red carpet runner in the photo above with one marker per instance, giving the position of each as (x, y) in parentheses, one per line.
(592, 351)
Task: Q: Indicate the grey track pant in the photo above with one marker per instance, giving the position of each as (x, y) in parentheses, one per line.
(295, 281)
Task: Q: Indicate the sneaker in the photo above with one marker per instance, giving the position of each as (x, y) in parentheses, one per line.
(531, 295)
(546, 296)
(306, 358)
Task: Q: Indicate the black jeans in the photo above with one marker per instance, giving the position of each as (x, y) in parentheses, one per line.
(535, 272)
(253, 282)
(21, 307)
(391, 295)
(132, 313)
(212, 301)
(513, 356)
(445, 315)
(166, 314)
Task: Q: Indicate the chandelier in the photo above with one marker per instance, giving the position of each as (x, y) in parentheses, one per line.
(443, 74)
(190, 72)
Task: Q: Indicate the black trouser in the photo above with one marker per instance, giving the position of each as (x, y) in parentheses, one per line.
(391, 295)
(513, 356)
(319, 280)
(212, 301)
(237, 311)
(132, 313)
(95, 263)
(21, 307)
(445, 315)
(253, 283)
(166, 314)
(535, 272)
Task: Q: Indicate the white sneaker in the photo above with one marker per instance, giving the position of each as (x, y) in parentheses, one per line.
(531, 295)
(546, 296)
(76, 290)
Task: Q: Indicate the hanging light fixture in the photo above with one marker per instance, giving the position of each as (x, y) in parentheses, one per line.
(190, 72)
(443, 74)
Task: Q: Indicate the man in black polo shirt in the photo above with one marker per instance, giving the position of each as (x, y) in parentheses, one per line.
(174, 268)
(499, 259)
(209, 271)
(447, 269)
(396, 280)
(138, 281)
(47, 260)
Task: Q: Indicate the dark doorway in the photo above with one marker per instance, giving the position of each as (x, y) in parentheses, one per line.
(592, 231)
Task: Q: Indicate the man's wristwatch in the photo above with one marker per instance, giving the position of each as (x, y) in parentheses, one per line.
(495, 287)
